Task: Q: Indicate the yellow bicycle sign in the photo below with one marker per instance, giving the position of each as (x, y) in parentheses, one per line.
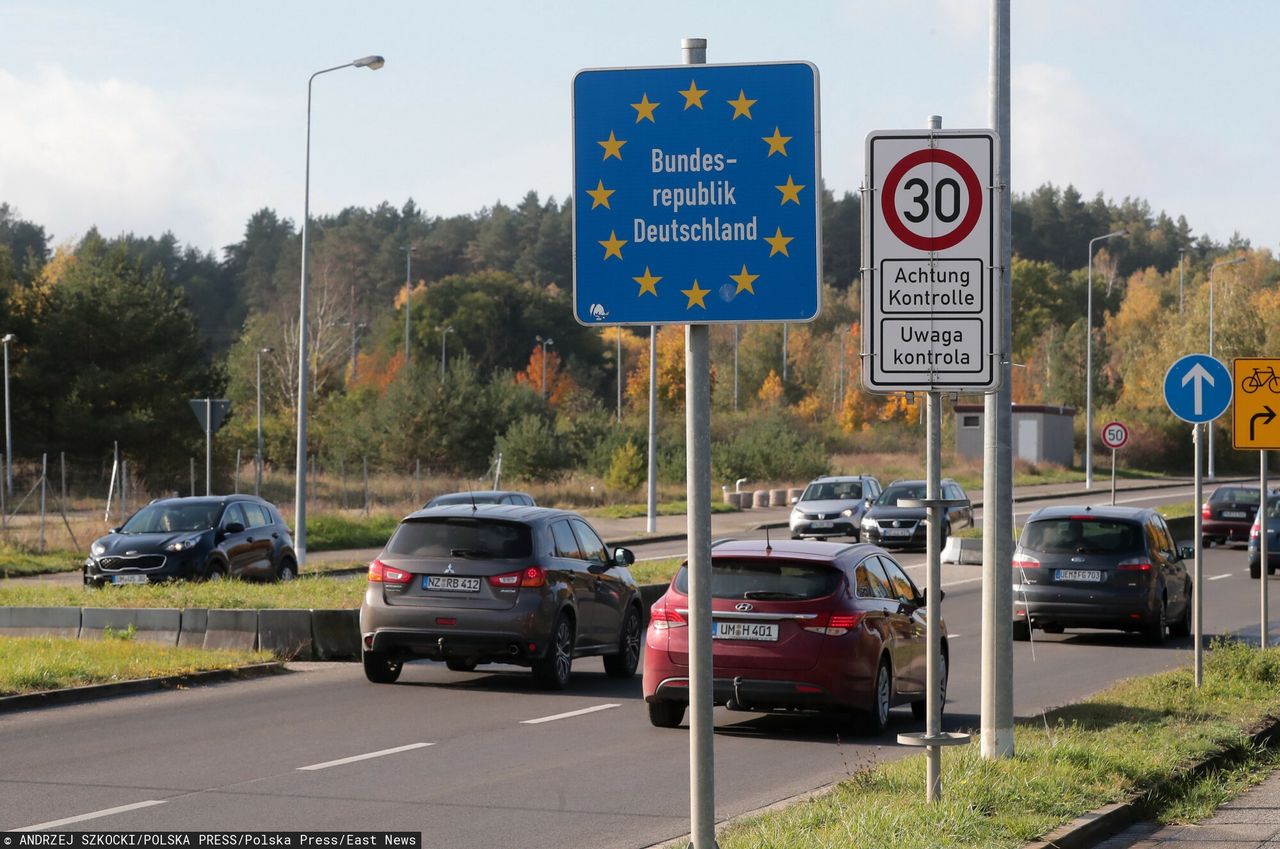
(1255, 420)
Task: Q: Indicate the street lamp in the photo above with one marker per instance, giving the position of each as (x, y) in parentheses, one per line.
(408, 290)
(257, 480)
(1212, 269)
(8, 433)
(545, 343)
(373, 63)
(444, 335)
(1088, 367)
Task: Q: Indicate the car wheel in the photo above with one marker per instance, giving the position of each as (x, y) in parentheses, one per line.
(215, 572)
(1155, 632)
(876, 716)
(380, 668)
(1183, 627)
(552, 672)
(1255, 571)
(1021, 631)
(287, 571)
(1206, 542)
(623, 663)
(460, 665)
(920, 709)
(795, 536)
(666, 714)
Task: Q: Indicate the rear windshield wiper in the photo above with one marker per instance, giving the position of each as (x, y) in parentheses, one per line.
(771, 595)
(469, 552)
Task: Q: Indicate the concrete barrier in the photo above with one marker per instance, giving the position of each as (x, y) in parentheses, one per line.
(778, 497)
(794, 494)
(232, 629)
(40, 622)
(150, 625)
(760, 498)
(286, 633)
(962, 551)
(335, 634)
(195, 621)
(649, 593)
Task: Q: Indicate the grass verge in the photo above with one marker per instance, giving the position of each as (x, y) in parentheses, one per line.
(1137, 738)
(32, 664)
(334, 532)
(667, 508)
(325, 593)
(656, 571)
(15, 562)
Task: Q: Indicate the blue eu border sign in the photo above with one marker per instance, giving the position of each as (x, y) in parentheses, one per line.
(696, 194)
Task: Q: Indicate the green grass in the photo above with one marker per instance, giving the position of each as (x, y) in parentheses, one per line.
(1177, 509)
(15, 562)
(656, 571)
(31, 664)
(667, 508)
(1135, 739)
(335, 532)
(306, 592)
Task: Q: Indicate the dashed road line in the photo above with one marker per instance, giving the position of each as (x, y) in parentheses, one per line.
(106, 812)
(367, 756)
(568, 715)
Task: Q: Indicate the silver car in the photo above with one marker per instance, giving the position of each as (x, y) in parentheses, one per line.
(833, 506)
(471, 584)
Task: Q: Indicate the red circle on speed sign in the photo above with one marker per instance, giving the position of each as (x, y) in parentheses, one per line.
(1114, 435)
(893, 218)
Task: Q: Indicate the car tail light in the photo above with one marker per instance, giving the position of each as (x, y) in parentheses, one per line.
(381, 573)
(1025, 561)
(663, 617)
(1137, 565)
(1205, 512)
(1255, 531)
(837, 624)
(533, 576)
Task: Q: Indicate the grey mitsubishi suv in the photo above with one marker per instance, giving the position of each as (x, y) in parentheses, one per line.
(471, 584)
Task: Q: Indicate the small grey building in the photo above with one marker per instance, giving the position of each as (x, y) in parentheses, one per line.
(1041, 434)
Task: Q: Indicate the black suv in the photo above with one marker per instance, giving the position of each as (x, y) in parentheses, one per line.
(470, 584)
(199, 538)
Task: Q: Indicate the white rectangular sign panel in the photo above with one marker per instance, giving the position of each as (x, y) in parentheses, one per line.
(930, 238)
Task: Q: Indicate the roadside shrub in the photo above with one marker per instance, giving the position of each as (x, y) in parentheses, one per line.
(773, 447)
(627, 471)
(530, 451)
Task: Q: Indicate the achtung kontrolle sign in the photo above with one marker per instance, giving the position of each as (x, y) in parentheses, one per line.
(696, 194)
(930, 302)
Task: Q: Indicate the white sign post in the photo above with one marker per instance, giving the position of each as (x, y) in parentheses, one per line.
(1114, 436)
(930, 301)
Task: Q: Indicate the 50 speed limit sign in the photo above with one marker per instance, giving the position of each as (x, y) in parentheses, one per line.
(931, 228)
(1114, 435)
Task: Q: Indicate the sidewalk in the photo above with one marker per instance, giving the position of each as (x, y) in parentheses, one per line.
(1251, 821)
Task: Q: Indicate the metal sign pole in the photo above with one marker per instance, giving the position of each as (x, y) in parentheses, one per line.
(651, 522)
(1113, 477)
(1197, 586)
(1263, 620)
(208, 446)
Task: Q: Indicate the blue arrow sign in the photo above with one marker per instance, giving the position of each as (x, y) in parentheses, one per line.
(696, 194)
(1197, 388)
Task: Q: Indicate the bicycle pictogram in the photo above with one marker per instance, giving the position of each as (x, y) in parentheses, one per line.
(1261, 377)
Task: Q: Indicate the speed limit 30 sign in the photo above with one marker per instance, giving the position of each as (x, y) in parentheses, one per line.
(930, 234)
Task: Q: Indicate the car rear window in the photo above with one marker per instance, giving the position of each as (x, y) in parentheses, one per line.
(1081, 535)
(461, 537)
(1236, 496)
(891, 495)
(764, 580)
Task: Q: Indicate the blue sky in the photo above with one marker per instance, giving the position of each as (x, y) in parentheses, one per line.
(151, 116)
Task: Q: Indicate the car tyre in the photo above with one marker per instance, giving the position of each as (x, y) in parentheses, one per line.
(1021, 631)
(380, 667)
(552, 671)
(460, 665)
(1155, 631)
(1255, 571)
(875, 719)
(920, 709)
(666, 714)
(623, 663)
(215, 572)
(287, 571)
(1182, 628)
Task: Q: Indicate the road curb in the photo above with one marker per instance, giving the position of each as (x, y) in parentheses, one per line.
(70, 695)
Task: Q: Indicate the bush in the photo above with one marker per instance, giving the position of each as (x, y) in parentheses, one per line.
(531, 452)
(772, 447)
(628, 469)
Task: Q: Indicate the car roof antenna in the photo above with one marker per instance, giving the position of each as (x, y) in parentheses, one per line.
(768, 546)
(474, 506)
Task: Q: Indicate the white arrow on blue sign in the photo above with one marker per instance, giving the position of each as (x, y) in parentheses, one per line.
(1198, 388)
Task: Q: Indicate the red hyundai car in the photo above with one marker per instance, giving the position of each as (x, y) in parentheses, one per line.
(798, 625)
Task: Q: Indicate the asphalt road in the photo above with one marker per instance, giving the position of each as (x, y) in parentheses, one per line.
(463, 758)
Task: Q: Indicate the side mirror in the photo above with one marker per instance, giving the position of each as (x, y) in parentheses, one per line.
(114, 530)
(795, 499)
(1187, 552)
(623, 556)
(234, 528)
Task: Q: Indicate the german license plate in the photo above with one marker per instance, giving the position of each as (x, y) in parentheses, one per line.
(1234, 514)
(128, 579)
(763, 631)
(451, 584)
(1086, 575)
(821, 524)
(897, 532)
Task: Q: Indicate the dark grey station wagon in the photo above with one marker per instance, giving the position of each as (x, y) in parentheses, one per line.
(471, 584)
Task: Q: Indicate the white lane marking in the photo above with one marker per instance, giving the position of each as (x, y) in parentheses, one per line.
(965, 581)
(571, 713)
(1220, 577)
(367, 756)
(82, 817)
(954, 636)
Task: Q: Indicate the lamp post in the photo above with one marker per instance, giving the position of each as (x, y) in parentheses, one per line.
(1088, 367)
(1182, 253)
(1212, 269)
(8, 432)
(257, 478)
(373, 63)
(408, 290)
(444, 335)
(545, 343)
